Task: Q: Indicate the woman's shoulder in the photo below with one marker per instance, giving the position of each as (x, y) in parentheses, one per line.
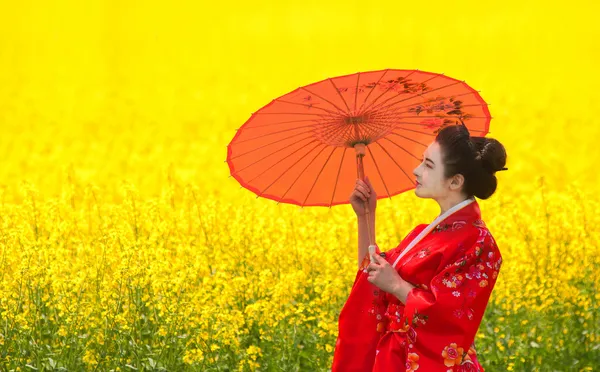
(413, 234)
(416, 230)
(476, 238)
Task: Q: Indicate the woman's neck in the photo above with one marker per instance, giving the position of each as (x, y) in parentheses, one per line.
(450, 202)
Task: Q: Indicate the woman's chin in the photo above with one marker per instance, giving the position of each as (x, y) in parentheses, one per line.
(419, 193)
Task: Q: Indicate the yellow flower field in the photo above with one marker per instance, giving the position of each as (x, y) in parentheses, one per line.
(124, 245)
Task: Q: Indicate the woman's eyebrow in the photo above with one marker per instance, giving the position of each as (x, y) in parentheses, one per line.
(429, 159)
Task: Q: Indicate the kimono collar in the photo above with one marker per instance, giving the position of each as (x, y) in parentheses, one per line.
(469, 213)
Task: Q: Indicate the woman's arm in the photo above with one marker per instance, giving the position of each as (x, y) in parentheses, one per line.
(402, 289)
(363, 234)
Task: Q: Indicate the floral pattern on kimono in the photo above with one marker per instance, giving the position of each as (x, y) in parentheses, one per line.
(454, 269)
(441, 322)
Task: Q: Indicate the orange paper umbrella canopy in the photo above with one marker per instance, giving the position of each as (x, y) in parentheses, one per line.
(301, 147)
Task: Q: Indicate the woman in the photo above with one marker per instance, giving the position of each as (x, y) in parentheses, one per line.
(419, 305)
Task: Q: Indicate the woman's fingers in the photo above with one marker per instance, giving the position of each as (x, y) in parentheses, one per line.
(370, 187)
(372, 266)
(363, 196)
(363, 184)
(363, 190)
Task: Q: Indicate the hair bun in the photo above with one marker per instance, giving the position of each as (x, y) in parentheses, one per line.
(476, 158)
(490, 153)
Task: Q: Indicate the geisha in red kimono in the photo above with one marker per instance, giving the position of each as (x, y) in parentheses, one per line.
(453, 264)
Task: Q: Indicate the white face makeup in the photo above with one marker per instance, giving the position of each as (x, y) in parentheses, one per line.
(430, 182)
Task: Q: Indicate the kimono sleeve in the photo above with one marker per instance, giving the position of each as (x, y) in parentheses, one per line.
(443, 319)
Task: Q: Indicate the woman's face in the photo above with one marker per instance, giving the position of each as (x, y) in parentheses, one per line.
(430, 175)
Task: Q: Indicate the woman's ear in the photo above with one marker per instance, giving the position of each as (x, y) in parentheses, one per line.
(457, 181)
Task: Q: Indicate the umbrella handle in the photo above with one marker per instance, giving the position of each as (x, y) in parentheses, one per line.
(370, 232)
(360, 153)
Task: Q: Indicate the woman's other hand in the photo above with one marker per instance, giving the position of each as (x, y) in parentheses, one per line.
(386, 278)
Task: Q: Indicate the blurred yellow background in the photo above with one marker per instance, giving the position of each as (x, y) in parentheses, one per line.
(122, 89)
(120, 225)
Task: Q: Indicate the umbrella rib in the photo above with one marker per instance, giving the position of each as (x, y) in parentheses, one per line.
(394, 111)
(275, 152)
(459, 95)
(315, 121)
(356, 91)
(318, 175)
(389, 88)
(400, 124)
(325, 99)
(321, 116)
(380, 124)
(346, 135)
(372, 89)
(380, 107)
(329, 126)
(414, 131)
(394, 160)
(287, 170)
(335, 131)
(398, 94)
(268, 144)
(392, 114)
(287, 113)
(341, 131)
(278, 132)
(332, 123)
(410, 139)
(379, 172)
(405, 123)
(387, 122)
(376, 128)
(340, 94)
(278, 123)
(437, 117)
(337, 177)
(308, 106)
(401, 147)
(399, 115)
(280, 160)
(304, 170)
(441, 116)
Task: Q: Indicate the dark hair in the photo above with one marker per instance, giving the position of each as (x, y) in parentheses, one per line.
(476, 158)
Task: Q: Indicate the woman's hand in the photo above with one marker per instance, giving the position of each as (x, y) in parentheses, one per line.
(363, 191)
(384, 276)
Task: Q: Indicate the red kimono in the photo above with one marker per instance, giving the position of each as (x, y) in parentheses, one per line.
(454, 268)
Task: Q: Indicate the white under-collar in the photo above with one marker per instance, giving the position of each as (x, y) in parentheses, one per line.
(432, 225)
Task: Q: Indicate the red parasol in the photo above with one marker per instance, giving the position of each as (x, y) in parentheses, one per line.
(308, 147)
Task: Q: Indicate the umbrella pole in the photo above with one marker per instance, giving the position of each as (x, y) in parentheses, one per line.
(360, 153)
